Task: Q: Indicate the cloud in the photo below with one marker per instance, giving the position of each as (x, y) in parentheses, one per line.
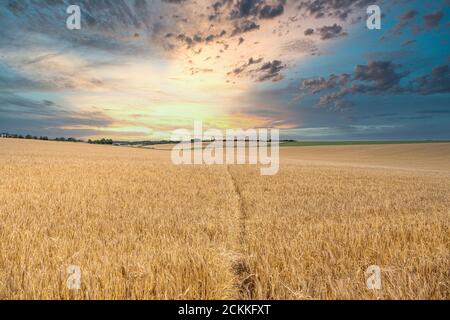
(403, 21)
(320, 84)
(271, 71)
(254, 8)
(268, 12)
(338, 9)
(245, 8)
(15, 82)
(330, 32)
(327, 32)
(48, 113)
(245, 26)
(375, 78)
(158, 45)
(309, 32)
(185, 39)
(301, 46)
(194, 70)
(438, 81)
(243, 67)
(382, 75)
(408, 15)
(433, 20)
(408, 42)
(106, 25)
(49, 72)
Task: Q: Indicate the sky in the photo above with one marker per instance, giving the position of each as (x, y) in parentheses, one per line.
(137, 69)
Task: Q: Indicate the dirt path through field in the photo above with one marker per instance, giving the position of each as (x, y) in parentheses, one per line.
(244, 277)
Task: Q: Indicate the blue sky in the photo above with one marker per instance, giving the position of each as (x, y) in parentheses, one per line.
(139, 69)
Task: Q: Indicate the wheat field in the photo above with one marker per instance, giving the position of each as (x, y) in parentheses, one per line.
(141, 228)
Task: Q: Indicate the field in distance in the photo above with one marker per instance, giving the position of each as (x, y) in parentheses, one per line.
(356, 142)
(141, 228)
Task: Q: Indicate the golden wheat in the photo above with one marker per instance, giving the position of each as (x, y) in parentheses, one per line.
(142, 228)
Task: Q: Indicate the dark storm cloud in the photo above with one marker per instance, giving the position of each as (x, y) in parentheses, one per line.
(271, 71)
(244, 9)
(216, 8)
(244, 26)
(197, 38)
(338, 9)
(212, 37)
(320, 84)
(438, 81)
(330, 32)
(268, 12)
(247, 8)
(309, 32)
(375, 78)
(267, 71)
(185, 39)
(327, 32)
(382, 74)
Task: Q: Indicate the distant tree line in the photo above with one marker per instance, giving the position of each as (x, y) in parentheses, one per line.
(31, 137)
(19, 136)
(62, 139)
(151, 143)
(107, 141)
(101, 141)
(68, 139)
